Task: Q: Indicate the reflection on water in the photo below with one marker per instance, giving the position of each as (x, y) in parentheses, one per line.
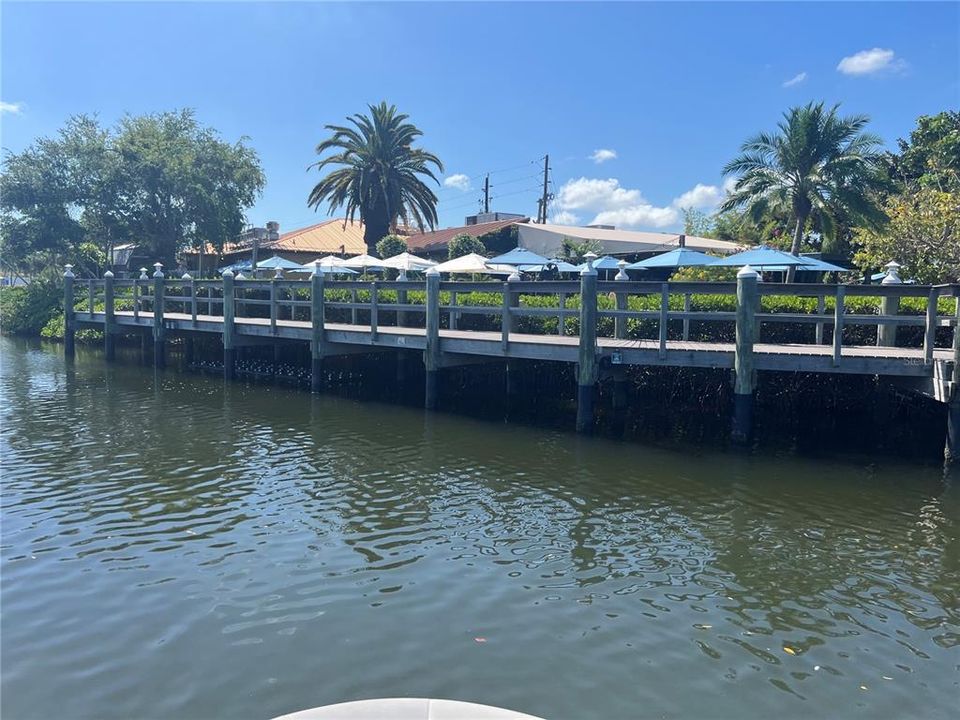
(176, 547)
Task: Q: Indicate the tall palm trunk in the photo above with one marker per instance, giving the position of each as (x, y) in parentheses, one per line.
(795, 246)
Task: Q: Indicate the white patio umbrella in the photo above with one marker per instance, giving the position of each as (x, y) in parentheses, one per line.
(473, 263)
(363, 262)
(407, 262)
(325, 269)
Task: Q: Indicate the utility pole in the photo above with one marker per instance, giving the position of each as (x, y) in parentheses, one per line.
(546, 197)
(486, 194)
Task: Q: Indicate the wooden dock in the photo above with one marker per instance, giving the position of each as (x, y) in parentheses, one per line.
(349, 317)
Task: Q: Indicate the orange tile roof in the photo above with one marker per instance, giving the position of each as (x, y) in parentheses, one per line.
(439, 238)
(324, 237)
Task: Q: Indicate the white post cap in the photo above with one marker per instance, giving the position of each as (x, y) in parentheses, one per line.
(108, 274)
(402, 276)
(278, 274)
(143, 273)
(227, 273)
(514, 276)
(241, 276)
(432, 272)
(68, 270)
(622, 273)
(747, 272)
(893, 274)
(159, 269)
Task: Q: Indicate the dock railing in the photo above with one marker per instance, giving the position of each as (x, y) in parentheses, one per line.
(665, 312)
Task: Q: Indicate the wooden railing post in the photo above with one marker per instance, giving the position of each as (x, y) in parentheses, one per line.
(91, 304)
(686, 320)
(664, 318)
(620, 322)
(137, 300)
(748, 297)
(930, 326)
(561, 316)
(273, 301)
(889, 305)
(108, 317)
(838, 311)
(587, 357)
(402, 300)
(821, 307)
(507, 320)
(69, 318)
(353, 310)
(454, 316)
(431, 355)
(159, 349)
(229, 309)
(317, 310)
(374, 301)
(193, 297)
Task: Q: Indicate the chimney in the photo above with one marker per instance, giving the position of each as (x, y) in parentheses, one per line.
(683, 240)
(273, 230)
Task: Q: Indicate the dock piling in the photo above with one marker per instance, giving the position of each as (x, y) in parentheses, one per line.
(587, 355)
(108, 317)
(69, 323)
(951, 451)
(159, 347)
(317, 331)
(229, 352)
(431, 355)
(748, 300)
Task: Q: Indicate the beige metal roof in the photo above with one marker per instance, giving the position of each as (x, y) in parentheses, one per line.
(547, 240)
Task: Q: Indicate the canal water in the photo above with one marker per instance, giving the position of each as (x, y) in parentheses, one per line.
(177, 547)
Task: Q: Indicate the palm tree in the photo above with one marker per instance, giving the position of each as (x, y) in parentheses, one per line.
(816, 164)
(379, 175)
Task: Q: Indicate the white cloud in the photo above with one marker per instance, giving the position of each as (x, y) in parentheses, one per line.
(12, 108)
(459, 182)
(602, 155)
(612, 204)
(644, 215)
(595, 194)
(866, 62)
(700, 196)
(564, 217)
(795, 80)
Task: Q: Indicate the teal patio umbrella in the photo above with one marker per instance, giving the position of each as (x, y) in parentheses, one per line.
(681, 257)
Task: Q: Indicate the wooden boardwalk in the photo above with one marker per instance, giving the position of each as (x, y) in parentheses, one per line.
(345, 338)
(256, 312)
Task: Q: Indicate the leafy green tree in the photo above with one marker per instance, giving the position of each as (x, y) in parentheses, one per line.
(816, 163)
(573, 251)
(502, 240)
(159, 180)
(379, 173)
(698, 223)
(931, 157)
(464, 244)
(183, 185)
(924, 230)
(390, 245)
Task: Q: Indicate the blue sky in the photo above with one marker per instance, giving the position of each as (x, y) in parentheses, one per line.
(668, 90)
